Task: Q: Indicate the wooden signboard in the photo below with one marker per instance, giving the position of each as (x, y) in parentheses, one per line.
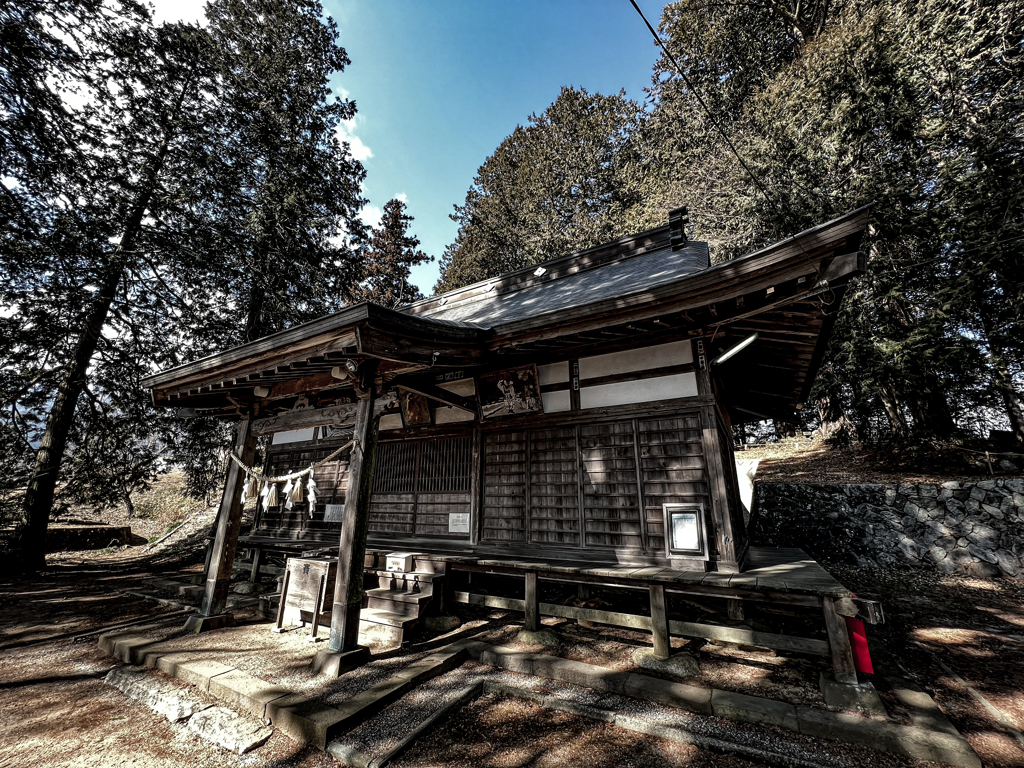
(306, 417)
(510, 392)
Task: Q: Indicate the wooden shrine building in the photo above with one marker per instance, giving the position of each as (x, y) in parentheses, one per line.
(574, 413)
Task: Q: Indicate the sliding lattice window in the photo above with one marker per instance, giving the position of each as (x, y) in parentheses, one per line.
(417, 486)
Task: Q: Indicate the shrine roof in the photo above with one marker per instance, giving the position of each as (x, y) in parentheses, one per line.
(567, 283)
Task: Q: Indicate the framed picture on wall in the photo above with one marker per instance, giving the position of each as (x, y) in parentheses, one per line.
(510, 392)
(415, 409)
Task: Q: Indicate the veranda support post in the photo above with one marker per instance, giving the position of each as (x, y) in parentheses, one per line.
(348, 588)
(229, 522)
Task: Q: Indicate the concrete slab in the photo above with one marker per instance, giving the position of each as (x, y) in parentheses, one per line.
(337, 663)
(679, 695)
(923, 710)
(580, 673)
(243, 691)
(507, 658)
(198, 672)
(860, 698)
(912, 741)
(199, 624)
(306, 720)
(753, 709)
(228, 730)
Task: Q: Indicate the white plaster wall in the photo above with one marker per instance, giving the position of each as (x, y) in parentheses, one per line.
(464, 387)
(639, 391)
(445, 415)
(660, 356)
(293, 436)
(391, 421)
(555, 373)
(556, 401)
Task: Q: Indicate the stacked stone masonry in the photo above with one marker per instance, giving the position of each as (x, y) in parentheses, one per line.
(974, 528)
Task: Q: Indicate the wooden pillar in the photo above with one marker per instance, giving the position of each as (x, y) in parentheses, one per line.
(229, 522)
(843, 668)
(257, 562)
(659, 622)
(348, 586)
(734, 607)
(721, 514)
(532, 623)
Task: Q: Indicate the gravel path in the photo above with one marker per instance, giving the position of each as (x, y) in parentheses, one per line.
(380, 734)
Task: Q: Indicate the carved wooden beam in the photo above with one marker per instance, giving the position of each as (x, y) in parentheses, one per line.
(305, 418)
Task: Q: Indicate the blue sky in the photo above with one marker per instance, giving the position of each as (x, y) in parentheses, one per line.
(439, 84)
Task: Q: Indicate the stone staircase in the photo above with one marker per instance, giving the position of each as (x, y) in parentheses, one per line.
(400, 599)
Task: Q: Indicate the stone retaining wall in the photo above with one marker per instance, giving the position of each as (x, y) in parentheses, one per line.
(971, 527)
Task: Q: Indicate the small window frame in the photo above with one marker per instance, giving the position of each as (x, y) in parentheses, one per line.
(673, 552)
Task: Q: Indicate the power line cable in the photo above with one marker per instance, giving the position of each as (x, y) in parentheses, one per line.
(704, 106)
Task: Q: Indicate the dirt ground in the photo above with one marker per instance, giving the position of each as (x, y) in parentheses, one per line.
(961, 639)
(812, 460)
(55, 709)
(507, 733)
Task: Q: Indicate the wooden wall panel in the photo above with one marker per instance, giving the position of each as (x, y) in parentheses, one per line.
(504, 488)
(331, 479)
(554, 487)
(672, 470)
(611, 505)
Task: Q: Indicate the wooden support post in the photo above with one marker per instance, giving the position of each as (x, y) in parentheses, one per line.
(318, 606)
(532, 623)
(348, 587)
(284, 598)
(229, 521)
(209, 557)
(843, 668)
(257, 561)
(734, 608)
(659, 622)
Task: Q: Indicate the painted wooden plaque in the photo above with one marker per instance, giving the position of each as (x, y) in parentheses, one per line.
(415, 410)
(510, 392)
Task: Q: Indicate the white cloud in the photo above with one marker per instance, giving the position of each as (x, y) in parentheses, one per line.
(402, 197)
(346, 133)
(371, 215)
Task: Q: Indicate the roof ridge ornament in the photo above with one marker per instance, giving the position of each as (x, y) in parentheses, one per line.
(678, 218)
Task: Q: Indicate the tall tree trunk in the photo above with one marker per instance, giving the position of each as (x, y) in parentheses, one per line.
(890, 401)
(931, 409)
(42, 485)
(254, 313)
(1001, 378)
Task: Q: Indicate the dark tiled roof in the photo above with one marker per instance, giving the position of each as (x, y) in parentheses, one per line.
(622, 277)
